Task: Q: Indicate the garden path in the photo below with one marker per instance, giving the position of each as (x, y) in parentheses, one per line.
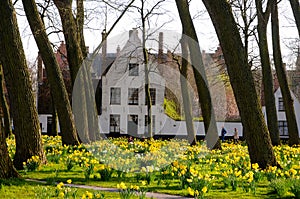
(148, 194)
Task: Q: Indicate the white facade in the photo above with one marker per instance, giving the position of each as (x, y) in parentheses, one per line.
(282, 123)
(123, 78)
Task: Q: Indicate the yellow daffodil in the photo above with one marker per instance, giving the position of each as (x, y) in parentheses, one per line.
(204, 189)
(89, 195)
(121, 186)
(191, 191)
(61, 194)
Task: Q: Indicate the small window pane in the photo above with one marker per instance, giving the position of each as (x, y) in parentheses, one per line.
(280, 104)
(133, 69)
(283, 128)
(114, 124)
(115, 96)
(133, 96)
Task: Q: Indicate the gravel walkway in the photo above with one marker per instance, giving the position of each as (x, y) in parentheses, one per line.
(148, 194)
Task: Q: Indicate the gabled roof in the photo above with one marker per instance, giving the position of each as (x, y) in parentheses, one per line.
(98, 67)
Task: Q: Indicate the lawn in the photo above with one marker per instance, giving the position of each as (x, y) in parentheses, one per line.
(171, 167)
(19, 188)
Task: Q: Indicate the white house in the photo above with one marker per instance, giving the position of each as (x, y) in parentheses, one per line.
(123, 104)
(282, 122)
(124, 109)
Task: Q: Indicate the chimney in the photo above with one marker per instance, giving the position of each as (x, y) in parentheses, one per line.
(40, 69)
(118, 50)
(104, 47)
(130, 33)
(160, 46)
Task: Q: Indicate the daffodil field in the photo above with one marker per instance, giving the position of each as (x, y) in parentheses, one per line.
(167, 166)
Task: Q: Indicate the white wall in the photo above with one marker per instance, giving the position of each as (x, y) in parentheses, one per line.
(118, 76)
(43, 121)
(281, 114)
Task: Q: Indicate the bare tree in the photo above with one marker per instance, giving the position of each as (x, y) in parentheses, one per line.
(199, 75)
(296, 11)
(282, 78)
(244, 10)
(24, 113)
(4, 105)
(268, 89)
(241, 79)
(145, 16)
(58, 90)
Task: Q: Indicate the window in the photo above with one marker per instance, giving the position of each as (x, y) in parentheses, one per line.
(280, 104)
(132, 124)
(114, 124)
(153, 96)
(133, 96)
(153, 124)
(115, 95)
(133, 69)
(283, 128)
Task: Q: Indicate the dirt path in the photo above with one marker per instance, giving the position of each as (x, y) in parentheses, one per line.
(148, 194)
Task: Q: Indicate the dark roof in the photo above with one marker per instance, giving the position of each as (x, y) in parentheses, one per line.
(97, 64)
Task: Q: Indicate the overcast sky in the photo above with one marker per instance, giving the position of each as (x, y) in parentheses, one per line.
(206, 33)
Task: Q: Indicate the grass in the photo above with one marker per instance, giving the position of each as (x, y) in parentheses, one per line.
(215, 174)
(56, 172)
(19, 188)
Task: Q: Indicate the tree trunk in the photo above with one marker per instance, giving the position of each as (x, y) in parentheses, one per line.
(282, 78)
(208, 113)
(76, 52)
(191, 136)
(80, 23)
(146, 70)
(19, 86)
(147, 88)
(4, 105)
(7, 169)
(296, 11)
(241, 79)
(58, 90)
(268, 89)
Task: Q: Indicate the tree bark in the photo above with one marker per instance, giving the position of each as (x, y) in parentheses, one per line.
(7, 169)
(269, 98)
(19, 86)
(241, 79)
(4, 106)
(146, 70)
(208, 113)
(57, 87)
(80, 23)
(74, 52)
(282, 78)
(296, 12)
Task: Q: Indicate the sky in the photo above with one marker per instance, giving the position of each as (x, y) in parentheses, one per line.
(206, 34)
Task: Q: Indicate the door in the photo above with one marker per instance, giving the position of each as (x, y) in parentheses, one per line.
(132, 125)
